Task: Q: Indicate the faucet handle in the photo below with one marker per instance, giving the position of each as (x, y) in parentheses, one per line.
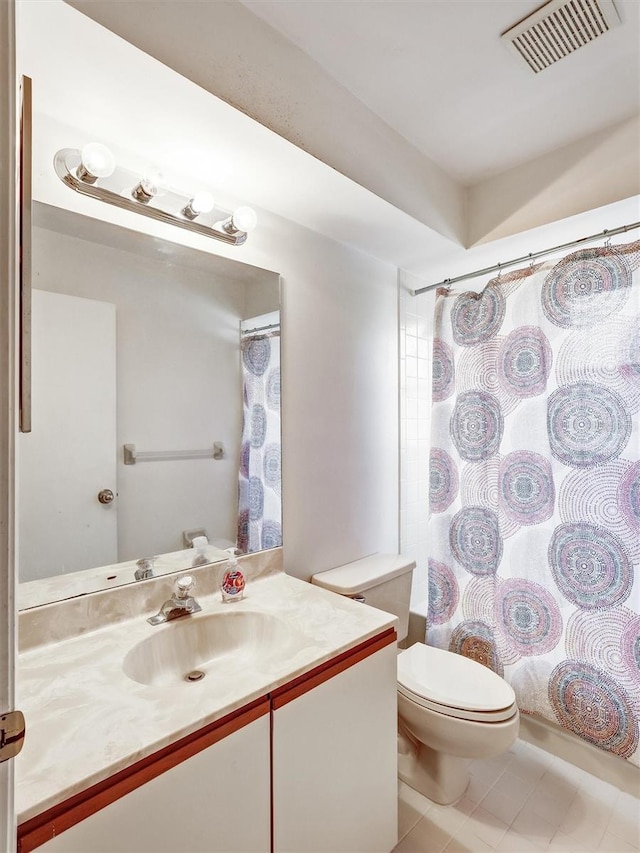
(184, 585)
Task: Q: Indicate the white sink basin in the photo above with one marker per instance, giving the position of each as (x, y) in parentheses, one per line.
(217, 644)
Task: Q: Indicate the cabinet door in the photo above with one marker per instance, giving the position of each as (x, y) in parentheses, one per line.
(335, 762)
(215, 802)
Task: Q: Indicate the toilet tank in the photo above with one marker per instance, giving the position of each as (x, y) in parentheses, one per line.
(383, 581)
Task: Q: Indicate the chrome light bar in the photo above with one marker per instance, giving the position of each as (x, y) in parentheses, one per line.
(130, 191)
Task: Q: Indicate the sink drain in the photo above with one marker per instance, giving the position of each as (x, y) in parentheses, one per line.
(194, 675)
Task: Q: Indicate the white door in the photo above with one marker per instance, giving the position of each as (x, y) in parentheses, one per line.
(69, 457)
(8, 257)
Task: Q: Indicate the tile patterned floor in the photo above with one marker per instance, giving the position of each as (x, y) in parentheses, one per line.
(522, 802)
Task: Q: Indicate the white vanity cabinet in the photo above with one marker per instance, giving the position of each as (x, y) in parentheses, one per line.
(215, 801)
(309, 768)
(335, 759)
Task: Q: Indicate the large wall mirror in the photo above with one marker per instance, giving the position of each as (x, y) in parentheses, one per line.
(155, 440)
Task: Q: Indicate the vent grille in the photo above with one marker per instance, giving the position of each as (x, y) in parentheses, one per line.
(559, 28)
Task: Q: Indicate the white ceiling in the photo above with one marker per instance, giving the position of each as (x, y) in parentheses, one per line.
(437, 72)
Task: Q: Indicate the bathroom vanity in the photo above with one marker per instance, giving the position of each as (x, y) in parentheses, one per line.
(286, 743)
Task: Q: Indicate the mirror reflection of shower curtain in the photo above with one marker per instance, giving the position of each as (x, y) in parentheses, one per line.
(259, 492)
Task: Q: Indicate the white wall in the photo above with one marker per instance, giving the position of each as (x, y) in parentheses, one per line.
(339, 341)
(271, 79)
(590, 173)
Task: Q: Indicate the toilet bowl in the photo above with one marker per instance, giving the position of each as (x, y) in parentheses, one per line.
(451, 709)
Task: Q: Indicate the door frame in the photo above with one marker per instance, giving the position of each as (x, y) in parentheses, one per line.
(8, 408)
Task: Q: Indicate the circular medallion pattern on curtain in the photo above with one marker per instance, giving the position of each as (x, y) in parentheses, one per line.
(258, 425)
(527, 493)
(585, 288)
(524, 362)
(273, 390)
(474, 639)
(477, 317)
(606, 500)
(443, 480)
(477, 370)
(588, 424)
(256, 354)
(476, 425)
(256, 499)
(529, 616)
(590, 566)
(271, 466)
(271, 534)
(589, 703)
(443, 371)
(606, 356)
(629, 496)
(475, 541)
(631, 354)
(443, 593)
(610, 641)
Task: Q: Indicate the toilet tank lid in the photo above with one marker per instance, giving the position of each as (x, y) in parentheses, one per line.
(356, 577)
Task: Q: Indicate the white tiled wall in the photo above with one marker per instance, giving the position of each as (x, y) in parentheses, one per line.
(415, 318)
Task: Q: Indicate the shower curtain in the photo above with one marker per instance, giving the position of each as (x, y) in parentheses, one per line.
(534, 523)
(259, 484)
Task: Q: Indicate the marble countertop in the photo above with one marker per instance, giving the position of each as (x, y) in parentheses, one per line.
(86, 719)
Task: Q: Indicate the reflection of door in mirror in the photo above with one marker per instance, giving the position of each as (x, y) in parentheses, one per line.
(66, 461)
(179, 387)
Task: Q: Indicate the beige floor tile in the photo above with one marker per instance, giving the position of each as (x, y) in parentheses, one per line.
(586, 821)
(501, 805)
(561, 843)
(552, 799)
(446, 818)
(411, 807)
(487, 826)
(466, 805)
(534, 827)
(513, 842)
(510, 808)
(466, 842)
(625, 824)
(612, 844)
(424, 838)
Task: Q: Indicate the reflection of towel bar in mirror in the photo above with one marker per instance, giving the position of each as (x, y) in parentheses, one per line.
(131, 455)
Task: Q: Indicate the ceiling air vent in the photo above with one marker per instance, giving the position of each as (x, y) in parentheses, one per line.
(558, 28)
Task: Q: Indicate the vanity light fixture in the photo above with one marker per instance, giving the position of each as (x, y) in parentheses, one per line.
(242, 221)
(201, 203)
(96, 161)
(93, 171)
(149, 186)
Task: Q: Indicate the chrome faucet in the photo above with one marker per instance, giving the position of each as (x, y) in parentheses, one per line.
(144, 569)
(181, 603)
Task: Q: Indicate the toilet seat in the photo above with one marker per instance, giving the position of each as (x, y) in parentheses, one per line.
(451, 684)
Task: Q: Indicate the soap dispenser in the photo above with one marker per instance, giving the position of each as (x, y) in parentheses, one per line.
(232, 586)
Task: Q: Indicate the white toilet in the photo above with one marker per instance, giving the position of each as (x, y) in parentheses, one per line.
(451, 709)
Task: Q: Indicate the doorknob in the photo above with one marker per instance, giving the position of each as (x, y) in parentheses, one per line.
(12, 728)
(106, 496)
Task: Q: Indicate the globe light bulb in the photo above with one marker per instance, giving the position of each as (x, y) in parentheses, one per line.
(244, 219)
(96, 162)
(149, 186)
(202, 202)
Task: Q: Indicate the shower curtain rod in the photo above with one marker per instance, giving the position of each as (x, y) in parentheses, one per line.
(268, 327)
(447, 282)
